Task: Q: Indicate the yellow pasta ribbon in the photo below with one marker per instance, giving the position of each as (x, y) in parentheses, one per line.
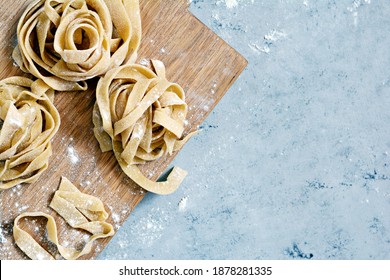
(141, 117)
(28, 122)
(79, 210)
(66, 42)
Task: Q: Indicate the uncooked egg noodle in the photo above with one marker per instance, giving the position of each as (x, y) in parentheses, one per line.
(141, 117)
(79, 210)
(66, 42)
(29, 121)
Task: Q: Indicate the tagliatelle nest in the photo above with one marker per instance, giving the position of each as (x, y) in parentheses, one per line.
(66, 42)
(29, 121)
(141, 117)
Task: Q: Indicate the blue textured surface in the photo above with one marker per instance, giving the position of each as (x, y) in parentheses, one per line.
(294, 162)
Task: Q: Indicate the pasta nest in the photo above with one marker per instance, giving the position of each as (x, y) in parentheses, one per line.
(66, 42)
(141, 116)
(28, 121)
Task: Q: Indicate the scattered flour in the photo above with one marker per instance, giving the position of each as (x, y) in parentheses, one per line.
(115, 217)
(275, 35)
(72, 154)
(149, 231)
(231, 3)
(2, 238)
(183, 204)
(355, 7)
(256, 48)
(268, 40)
(85, 184)
(358, 3)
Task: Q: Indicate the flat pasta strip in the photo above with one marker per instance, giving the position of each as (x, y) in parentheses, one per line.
(141, 117)
(66, 42)
(28, 122)
(79, 210)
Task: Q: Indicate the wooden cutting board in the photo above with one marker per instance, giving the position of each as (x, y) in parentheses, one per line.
(195, 57)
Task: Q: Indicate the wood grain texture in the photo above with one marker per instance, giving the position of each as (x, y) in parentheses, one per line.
(195, 58)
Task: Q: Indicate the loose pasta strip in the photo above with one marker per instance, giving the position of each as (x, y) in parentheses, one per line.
(141, 117)
(79, 210)
(28, 122)
(66, 42)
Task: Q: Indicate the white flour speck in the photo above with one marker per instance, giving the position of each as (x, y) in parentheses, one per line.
(231, 3)
(149, 225)
(115, 217)
(23, 208)
(2, 238)
(72, 154)
(257, 49)
(144, 62)
(354, 8)
(358, 3)
(149, 229)
(16, 188)
(275, 35)
(183, 203)
(86, 183)
(122, 244)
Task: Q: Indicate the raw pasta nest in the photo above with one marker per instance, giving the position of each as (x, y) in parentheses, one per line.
(141, 116)
(66, 42)
(29, 121)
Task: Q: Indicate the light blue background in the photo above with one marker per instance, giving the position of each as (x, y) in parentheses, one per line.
(294, 162)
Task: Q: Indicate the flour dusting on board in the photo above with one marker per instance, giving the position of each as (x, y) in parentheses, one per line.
(72, 154)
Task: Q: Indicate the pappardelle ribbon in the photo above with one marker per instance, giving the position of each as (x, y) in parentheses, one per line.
(79, 210)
